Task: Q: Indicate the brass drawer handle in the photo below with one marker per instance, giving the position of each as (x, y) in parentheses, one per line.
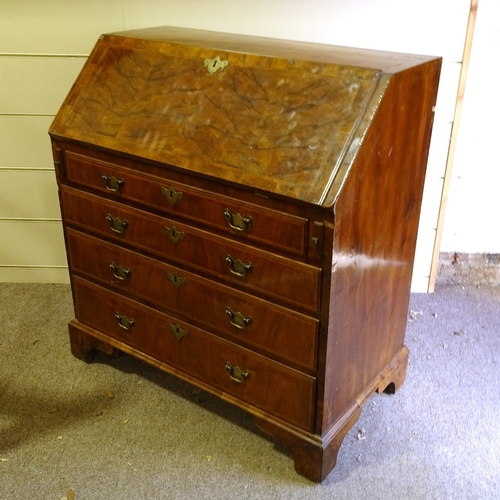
(119, 272)
(178, 332)
(112, 183)
(237, 319)
(171, 195)
(237, 267)
(236, 373)
(173, 234)
(124, 322)
(116, 225)
(236, 221)
(176, 280)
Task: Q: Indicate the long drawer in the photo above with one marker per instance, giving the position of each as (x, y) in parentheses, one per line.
(254, 379)
(246, 221)
(278, 332)
(261, 272)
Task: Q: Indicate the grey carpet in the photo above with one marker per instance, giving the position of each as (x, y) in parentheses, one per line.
(119, 429)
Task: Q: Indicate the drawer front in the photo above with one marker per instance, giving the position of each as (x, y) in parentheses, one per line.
(275, 331)
(261, 272)
(254, 379)
(245, 221)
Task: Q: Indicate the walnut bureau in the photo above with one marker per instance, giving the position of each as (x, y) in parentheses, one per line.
(242, 213)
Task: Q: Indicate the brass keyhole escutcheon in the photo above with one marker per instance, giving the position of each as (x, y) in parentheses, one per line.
(116, 225)
(179, 333)
(214, 65)
(237, 319)
(237, 267)
(124, 322)
(236, 373)
(112, 183)
(176, 280)
(119, 272)
(236, 221)
(173, 234)
(171, 195)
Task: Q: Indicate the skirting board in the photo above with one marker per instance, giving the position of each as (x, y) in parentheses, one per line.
(32, 274)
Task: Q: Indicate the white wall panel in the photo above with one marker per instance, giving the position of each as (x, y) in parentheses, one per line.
(474, 203)
(447, 93)
(28, 194)
(32, 243)
(31, 86)
(433, 187)
(426, 233)
(36, 84)
(419, 283)
(438, 151)
(56, 26)
(428, 27)
(24, 141)
(423, 259)
(434, 27)
(473, 208)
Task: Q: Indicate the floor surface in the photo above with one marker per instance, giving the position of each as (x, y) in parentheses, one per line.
(119, 429)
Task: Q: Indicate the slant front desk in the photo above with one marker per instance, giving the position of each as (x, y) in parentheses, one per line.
(242, 213)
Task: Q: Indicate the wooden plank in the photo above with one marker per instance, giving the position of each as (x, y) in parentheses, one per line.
(24, 142)
(36, 85)
(453, 141)
(28, 194)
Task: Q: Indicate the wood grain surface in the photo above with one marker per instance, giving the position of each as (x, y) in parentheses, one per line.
(326, 156)
(278, 124)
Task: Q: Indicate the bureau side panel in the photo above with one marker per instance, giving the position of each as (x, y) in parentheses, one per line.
(375, 235)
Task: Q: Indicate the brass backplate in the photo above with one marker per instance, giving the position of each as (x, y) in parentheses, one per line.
(179, 333)
(176, 280)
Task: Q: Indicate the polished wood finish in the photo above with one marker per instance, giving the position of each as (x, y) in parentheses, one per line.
(199, 354)
(202, 250)
(255, 123)
(200, 300)
(288, 231)
(251, 229)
